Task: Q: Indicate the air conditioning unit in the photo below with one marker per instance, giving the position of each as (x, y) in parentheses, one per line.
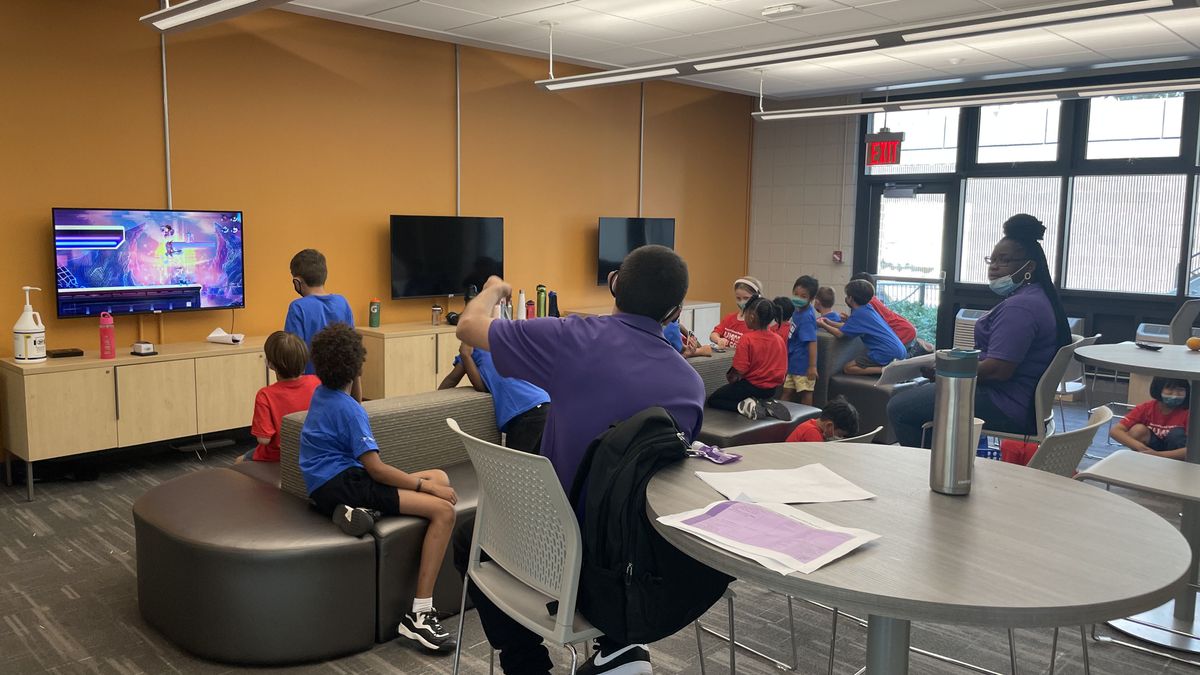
(1158, 333)
(964, 327)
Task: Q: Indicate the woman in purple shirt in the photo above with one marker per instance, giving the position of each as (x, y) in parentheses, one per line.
(1017, 340)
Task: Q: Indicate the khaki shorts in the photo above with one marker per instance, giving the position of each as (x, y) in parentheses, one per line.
(799, 383)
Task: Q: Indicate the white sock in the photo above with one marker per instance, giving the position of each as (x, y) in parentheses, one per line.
(422, 605)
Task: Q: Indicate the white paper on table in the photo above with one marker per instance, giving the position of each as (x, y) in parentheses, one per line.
(754, 545)
(810, 484)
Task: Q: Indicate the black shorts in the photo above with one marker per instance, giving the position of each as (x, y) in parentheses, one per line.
(354, 487)
(864, 361)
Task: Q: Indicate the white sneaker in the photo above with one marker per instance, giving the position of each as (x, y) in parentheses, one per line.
(748, 408)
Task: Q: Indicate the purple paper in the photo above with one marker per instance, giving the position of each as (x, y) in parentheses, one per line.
(754, 525)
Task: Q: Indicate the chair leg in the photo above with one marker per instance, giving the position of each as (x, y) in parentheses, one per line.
(1053, 650)
(1087, 661)
(700, 649)
(833, 641)
(574, 657)
(491, 661)
(1012, 651)
(462, 620)
(792, 632)
(732, 641)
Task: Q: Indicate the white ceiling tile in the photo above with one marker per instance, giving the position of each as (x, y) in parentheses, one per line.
(562, 13)
(638, 10)
(609, 27)
(504, 31)
(700, 19)
(569, 44)
(1017, 45)
(907, 11)
(499, 7)
(940, 55)
(759, 35)
(430, 16)
(631, 56)
(1148, 52)
(1184, 23)
(1061, 60)
(754, 8)
(360, 7)
(1118, 33)
(839, 22)
(692, 45)
(1014, 5)
(868, 65)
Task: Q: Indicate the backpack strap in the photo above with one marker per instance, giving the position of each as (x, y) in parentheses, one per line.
(581, 474)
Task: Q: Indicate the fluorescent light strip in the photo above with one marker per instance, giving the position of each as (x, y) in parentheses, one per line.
(968, 102)
(1133, 89)
(554, 85)
(791, 55)
(819, 112)
(1036, 20)
(201, 12)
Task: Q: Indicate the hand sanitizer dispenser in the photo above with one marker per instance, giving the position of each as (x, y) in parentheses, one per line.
(29, 333)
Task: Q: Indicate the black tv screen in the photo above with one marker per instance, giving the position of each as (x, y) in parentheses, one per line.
(619, 236)
(444, 255)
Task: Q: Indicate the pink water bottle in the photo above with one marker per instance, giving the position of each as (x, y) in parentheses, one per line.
(108, 344)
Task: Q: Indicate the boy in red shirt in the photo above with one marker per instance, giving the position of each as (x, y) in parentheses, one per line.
(839, 419)
(287, 355)
(1159, 426)
(759, 364)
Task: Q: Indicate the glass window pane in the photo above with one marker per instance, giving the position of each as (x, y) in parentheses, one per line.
(1135, 125)
(991, 201)
(1019, 132)
(910, 235)
(1193, 266)
(1124, 233)
(930, 140)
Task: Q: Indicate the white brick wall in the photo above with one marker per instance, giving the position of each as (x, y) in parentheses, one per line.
(803, 201)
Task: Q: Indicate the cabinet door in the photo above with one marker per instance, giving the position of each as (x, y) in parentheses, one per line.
(687, 318)
(410, 365)
(156, 401)
(71, 412)
(447, 349)
(706, 319)
(225, 390)
(374, 383)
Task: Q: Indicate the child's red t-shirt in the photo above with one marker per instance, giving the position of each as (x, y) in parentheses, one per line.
(807, 432)
(783, 330)
(732, 328)
(761, 358)
(1159, 424)
(272, 404)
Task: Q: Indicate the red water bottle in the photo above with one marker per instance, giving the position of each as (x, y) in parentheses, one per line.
(108, 338)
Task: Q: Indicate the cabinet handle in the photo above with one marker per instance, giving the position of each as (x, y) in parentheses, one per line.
(116, 394)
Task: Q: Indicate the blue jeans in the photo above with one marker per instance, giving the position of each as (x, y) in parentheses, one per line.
(911, 408)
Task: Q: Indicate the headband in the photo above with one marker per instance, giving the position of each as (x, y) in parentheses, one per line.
(749, 283)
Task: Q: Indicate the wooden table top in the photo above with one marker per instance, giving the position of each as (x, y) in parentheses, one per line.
(1171, 361)
(1025, 548)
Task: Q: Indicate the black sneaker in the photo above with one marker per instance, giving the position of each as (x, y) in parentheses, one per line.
(425, 629)
(355, 521)
(777, 410)
(630, 660)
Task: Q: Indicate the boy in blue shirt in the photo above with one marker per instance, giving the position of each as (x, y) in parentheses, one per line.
(883, 346)
(347, 480)
(316, 308)
(822, 304)
(801, 379)
(521, 407)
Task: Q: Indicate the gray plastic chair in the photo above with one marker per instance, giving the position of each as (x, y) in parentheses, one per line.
(1185, 318)
(526, 525)
(861, 438)
(1062, 452)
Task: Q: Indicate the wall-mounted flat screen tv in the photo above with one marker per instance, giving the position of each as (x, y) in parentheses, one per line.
(444, 255)
(127, 261)
(619, 236)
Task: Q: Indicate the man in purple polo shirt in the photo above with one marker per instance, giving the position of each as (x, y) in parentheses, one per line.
(597, 370)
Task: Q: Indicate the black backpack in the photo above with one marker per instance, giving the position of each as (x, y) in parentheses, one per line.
(634, 585)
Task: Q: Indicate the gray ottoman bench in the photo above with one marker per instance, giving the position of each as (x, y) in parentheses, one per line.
(232, 570)
(726, 429)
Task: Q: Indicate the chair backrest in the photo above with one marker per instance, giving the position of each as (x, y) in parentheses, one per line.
(1061, 452)
(861, 438)
(525, 523)
(1185, 318)
(1047, 389)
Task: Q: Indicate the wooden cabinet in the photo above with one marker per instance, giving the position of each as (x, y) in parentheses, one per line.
(225, 390)
(156, 401)
(705, 317)
(447, 349)
(59, 414)
(410, 365)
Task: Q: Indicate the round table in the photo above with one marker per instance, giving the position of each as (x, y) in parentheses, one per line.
(1025, 548)
(1178, 362)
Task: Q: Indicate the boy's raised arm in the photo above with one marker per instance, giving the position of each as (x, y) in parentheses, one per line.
(477, 318)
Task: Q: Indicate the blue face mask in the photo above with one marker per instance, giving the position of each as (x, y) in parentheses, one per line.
(742, 305)
(1173, 401)
(1004, 286)
(799, 303)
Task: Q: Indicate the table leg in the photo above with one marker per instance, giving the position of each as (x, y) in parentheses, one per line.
(28, 480)
(887, 646)
(1185, 604)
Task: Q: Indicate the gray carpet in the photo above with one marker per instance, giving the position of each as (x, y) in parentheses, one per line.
(69, 601)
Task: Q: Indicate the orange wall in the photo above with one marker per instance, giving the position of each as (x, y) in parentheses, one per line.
(318, 130)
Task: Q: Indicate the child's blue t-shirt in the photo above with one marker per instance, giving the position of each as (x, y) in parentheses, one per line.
(804, 331)
(882, 344)
(510, 396)
(335, 434)
(308, 315)
(833, 316)
(674, 335)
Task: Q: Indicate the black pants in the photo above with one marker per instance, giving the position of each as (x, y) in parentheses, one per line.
(521, 650)
(910, 409)
(729, 396)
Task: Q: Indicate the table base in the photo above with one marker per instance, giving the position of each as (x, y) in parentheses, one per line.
(1166, 634)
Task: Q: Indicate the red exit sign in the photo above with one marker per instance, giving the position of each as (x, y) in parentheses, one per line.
(883, 148)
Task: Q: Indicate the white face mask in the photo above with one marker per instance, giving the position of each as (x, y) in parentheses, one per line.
(1004, 286)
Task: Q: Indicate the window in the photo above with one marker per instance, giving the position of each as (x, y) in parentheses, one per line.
(1135, 125)
(1125, 233)
(930, 140)
(1019, 132)
(989, 202)
(910, 235)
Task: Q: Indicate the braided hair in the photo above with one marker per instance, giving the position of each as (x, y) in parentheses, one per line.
(1027, 231)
